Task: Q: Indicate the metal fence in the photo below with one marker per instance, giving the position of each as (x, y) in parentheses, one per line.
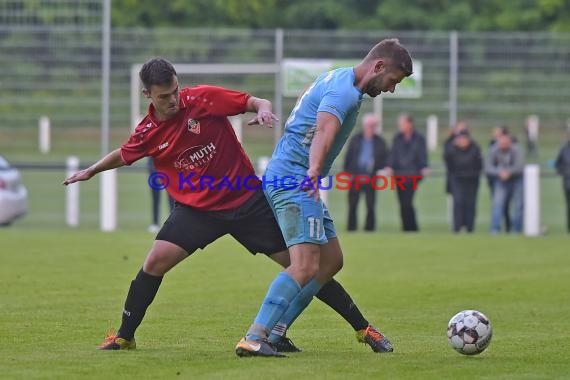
(56, 71)
(51, 66)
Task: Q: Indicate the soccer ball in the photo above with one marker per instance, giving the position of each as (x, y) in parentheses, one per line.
(469, 332)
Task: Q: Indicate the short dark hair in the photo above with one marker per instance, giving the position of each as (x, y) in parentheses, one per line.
(391, 50)
(157, 71)
(408, 116)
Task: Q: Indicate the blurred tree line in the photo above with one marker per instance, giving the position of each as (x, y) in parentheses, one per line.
(462, 15)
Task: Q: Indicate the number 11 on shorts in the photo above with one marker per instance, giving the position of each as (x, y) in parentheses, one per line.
(314, 227)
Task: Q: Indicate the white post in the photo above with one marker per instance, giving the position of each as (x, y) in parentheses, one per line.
(325, 193)
(377, 107)
(432, 133)
(532, 125)
(135, 96)
(44, 134)
(237, 126)
(449, 199)
(278, 102)
(531, 203)
(72, 194)
(108, 199)
(453, 75)
(105, 76)
(262, 163)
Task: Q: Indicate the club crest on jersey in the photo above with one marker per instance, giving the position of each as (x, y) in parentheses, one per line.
(194, 126)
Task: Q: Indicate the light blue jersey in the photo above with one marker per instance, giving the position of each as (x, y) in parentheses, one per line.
(333, 92)
(303, 218)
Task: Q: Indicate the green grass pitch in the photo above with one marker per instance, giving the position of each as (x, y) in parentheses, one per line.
(60, 290)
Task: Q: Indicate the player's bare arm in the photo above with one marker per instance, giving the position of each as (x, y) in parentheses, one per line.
(110, 161)
(328, 126)
(263, 108)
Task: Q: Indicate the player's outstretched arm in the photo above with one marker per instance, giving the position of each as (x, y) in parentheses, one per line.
(110, 161)
(264, 112)
(327, 127)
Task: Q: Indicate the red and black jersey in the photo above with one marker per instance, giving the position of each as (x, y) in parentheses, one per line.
(197, 149)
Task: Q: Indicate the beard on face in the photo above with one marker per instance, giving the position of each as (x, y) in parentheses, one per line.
(374, 87)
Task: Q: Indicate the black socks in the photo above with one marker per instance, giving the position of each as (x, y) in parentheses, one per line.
(141, 294)
(334, 295)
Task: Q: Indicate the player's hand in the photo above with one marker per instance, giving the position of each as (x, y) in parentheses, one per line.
(313, 190)
(426, 172)
(82, 175)
(264, 118)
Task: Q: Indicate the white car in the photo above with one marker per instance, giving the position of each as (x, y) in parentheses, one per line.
(13, 194)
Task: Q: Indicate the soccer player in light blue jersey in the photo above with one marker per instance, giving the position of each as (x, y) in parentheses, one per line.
(314, 135)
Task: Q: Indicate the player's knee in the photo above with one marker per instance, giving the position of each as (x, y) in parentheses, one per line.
(162, 257)
(309, 270)
(303, 273)
(156, 263)
(338, 264)
(330, 268)
(152, 265)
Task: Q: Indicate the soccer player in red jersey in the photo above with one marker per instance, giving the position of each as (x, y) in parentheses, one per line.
(187, 133)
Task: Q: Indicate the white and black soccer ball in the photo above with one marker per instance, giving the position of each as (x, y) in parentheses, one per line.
(469, 332)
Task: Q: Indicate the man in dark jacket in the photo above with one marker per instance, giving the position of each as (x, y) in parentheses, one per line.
(464, 163)
(366, 155)
(563, 168)
(408, 157)
(448, 144)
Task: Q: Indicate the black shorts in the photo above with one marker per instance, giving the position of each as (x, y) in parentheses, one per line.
(252, 224)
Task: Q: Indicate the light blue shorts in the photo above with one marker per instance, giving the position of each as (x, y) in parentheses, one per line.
(301, 217)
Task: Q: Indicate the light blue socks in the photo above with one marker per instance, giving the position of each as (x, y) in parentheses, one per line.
(296, 307)
(282, 291)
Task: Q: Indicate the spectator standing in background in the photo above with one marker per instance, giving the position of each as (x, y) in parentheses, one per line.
(448, 143)
(367, 154)
(504, 165)
(464, 163)
(563, 168)
(408, 157)
(498, 132)
(155, 197)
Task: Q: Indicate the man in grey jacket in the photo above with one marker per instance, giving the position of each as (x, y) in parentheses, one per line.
(505, 166)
